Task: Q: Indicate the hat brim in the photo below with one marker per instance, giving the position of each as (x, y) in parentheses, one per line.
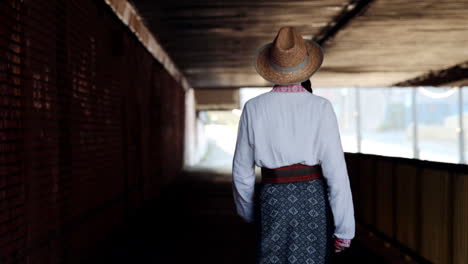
(265, 69)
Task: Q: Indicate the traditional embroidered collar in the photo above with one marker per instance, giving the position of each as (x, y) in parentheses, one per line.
(292, 88)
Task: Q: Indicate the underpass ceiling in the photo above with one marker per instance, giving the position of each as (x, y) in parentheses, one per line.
(389, 42)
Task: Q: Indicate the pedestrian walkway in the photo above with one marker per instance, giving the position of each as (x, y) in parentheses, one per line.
(195, 222)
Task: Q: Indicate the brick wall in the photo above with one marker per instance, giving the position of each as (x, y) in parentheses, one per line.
(91, 127)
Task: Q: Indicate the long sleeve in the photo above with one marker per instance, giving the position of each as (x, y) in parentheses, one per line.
(334, 169)
(243, 170)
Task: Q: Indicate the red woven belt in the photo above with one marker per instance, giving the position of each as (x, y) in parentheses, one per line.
(291, 173)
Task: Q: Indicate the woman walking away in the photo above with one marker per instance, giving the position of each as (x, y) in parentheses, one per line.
(302, 209)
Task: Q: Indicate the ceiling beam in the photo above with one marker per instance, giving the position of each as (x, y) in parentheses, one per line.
(440, 77)
(349, 11)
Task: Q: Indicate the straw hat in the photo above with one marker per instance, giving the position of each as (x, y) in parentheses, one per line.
(289, 58)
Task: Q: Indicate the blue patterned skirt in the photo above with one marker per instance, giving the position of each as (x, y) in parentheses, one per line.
(294, 222)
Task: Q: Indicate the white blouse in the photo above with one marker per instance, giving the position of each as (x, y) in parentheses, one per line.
(283, 127)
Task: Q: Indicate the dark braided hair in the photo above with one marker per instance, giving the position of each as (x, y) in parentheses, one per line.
(307, 85)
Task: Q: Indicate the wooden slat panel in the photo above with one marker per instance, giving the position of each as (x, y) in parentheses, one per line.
(407, 206)
(384, 197)
(366, 188)
(460, 219)
(435, 209)
(420, 205)
(352, 163)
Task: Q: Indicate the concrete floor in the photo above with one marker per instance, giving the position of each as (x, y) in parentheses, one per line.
(195, 222)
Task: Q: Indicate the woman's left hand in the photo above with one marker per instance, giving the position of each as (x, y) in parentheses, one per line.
(341, 244)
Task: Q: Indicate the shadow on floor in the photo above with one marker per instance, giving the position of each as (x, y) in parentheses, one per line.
(195, 222)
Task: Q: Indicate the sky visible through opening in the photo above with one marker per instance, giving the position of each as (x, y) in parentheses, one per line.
(387, 118)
